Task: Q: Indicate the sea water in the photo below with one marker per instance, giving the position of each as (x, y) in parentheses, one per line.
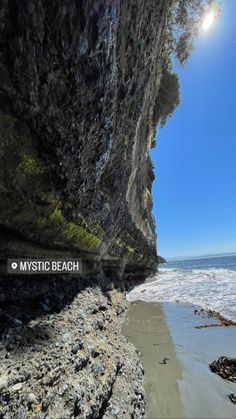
(208, 282)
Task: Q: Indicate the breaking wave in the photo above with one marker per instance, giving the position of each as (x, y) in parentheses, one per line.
(213, 289)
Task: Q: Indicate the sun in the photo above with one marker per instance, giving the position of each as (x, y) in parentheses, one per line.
(208, 21)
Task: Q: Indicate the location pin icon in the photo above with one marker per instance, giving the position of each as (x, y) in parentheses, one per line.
(14, 265)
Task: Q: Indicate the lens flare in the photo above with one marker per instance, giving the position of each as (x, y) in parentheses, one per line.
(208, 21)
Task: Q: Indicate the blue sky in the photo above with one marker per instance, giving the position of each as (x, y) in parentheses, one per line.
(195, 160)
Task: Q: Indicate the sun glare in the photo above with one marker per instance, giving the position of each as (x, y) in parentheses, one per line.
(208, 21)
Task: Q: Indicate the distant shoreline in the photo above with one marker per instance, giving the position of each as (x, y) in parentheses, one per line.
(182, 258)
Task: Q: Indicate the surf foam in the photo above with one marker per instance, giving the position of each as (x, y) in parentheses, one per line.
(213, 289)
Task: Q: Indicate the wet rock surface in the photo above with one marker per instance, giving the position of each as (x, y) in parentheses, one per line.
(232, 397)
(215, 315)
(225, 367)
(72, 363)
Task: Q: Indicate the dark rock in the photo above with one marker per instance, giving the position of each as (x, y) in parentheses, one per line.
(103, 307)
(46, 403)
(98, 324)
(78, 84)
(161, 259)
(232, 398)
(81, 363)
(17, 322)
(225, 367)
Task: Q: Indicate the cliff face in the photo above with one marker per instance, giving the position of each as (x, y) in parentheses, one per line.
(78, 84)
(78, 80)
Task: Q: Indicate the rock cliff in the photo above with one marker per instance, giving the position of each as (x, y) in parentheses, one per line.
(78, 82)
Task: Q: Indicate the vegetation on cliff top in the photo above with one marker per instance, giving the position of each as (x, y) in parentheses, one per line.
(183, 26)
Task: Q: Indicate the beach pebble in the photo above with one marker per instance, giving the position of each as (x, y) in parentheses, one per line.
(103, 307)
(17, 387)
(52, 376)
(23, 414)
(3, 382)
(62, 390)
(17, 322)
(78, 344)
(91, 349)
(65, 337)
(116, 410)
(46, 403)
(98, 325)
(31, 398)
(97, 368)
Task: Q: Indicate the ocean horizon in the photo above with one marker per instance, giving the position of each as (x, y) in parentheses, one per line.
(204, 256)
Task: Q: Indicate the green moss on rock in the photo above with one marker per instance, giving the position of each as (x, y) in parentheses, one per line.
(123, 245)
(130, 249)
(29, 202)
(76, 232)
(30, 166)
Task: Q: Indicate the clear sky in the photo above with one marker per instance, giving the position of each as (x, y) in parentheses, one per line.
(195, 160)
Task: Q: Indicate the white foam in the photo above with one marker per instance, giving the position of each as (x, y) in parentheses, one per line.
(210, 289)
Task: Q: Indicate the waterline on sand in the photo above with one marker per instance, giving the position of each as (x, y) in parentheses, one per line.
(184, 386)
(146, 327)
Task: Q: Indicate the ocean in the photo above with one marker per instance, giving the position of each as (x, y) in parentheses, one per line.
(161, 323)
(208, 282)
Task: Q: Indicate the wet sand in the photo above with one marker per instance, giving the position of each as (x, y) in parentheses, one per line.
(184, 387)
(146, 327)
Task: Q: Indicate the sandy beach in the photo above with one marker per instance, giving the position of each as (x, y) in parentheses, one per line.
(146, 327)
(184, 386)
